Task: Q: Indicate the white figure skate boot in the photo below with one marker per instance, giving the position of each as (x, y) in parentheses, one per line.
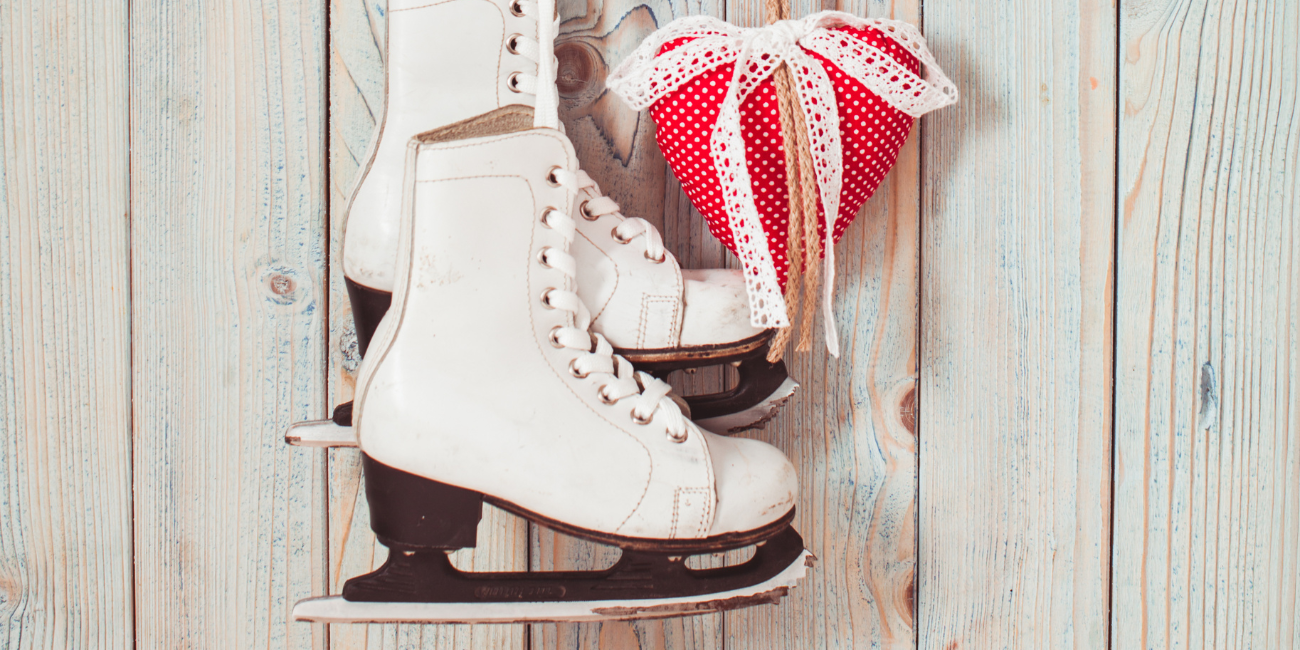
(457, 60)
(662, 317)
(484, 383)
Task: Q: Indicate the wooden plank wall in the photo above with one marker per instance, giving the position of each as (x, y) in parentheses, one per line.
(65, 346)
(1207, 504)
(228, 329)
(1087, 271)
(851, 432)
(1017, 250)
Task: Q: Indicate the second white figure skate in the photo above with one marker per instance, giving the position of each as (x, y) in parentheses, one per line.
(484, 383)
(459, 60)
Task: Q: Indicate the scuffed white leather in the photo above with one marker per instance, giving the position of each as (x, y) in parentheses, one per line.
(462, 386)
(447, 61)
(754, 482)
(636, 302)
(717, 310)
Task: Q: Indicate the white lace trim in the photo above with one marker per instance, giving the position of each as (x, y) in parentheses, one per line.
(645, 77)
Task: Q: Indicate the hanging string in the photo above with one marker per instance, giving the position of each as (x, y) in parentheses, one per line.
(803, 244)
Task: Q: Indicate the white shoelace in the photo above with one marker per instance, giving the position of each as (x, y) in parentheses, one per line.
(649, 394)
(546, 113)
(596, 205)
(541, 51)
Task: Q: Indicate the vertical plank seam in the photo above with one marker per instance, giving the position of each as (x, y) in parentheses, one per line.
(134, 623)
(323, 475)
(920, 361)
(1117, 206)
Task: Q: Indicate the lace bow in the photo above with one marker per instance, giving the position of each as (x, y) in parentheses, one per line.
(646, 76)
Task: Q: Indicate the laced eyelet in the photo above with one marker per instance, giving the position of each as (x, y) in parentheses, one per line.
(679, 438)
(517, 9)
(554, 337)
(512, 82)
(546, 298)
(541, 257)
(604, 397)
(642, 420)
(546, 216)
(573, 370)
(551, 178)
(512, 43)
(657, 260)
(586, 214)
(617, 237)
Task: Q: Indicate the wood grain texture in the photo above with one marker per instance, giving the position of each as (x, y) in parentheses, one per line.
(851, 430)
(356, 55)
(228, 260)
(65, 400)
(1207, 520)
(1017, 250)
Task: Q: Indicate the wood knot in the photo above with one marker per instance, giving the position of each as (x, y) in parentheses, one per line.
(907, 410)
(909, 597)
(11, 590)
(350, 348)
(578, 69)
(281, 285)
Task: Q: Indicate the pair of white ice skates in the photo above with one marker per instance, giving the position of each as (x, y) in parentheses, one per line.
(474, 248)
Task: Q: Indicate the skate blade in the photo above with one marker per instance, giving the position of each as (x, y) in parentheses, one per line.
(334, 609)
(320, 433)
(753, 417)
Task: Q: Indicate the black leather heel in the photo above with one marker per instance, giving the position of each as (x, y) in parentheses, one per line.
(409, 512)
(368, 307)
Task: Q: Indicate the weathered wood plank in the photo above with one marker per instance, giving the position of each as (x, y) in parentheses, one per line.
(1207, 521)
(228, 270)
(851, 429)
(65, 401)
(1016, 312)
(357, 49)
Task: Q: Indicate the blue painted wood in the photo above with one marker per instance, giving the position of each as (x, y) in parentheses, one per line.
(228, 268)
(1207, 466)
(65, 347)
(1016, 355)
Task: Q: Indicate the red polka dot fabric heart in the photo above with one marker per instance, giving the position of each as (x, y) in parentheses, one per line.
(708, 87)
(871, 133)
